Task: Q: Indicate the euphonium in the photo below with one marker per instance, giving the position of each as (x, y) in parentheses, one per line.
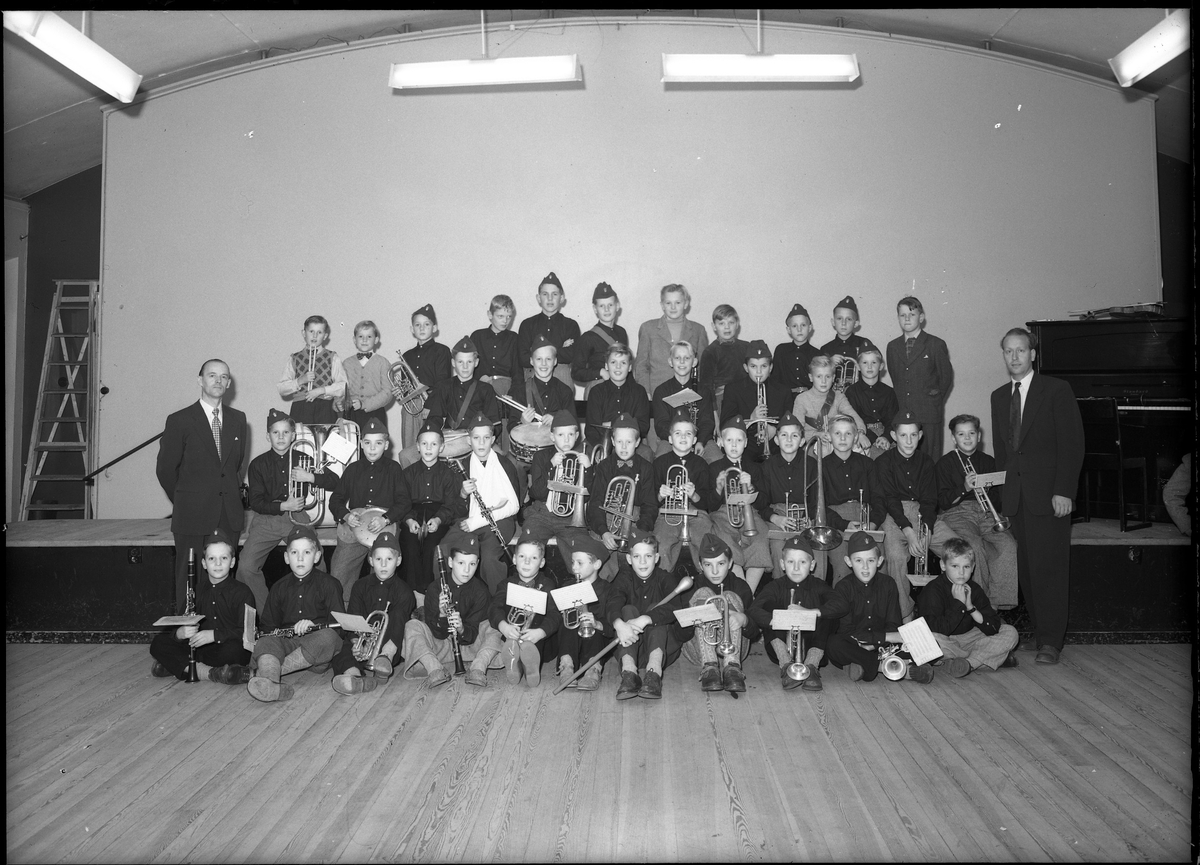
(797, 669)
(741, 517)
(845, 375)
(821, 535)
(618, 504)
(567, 491)
(305, 454)
(406, 387)
(367, 643)
(719, 633)
(891, 664)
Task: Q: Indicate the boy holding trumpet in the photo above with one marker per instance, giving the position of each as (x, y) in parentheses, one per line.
(313, 378)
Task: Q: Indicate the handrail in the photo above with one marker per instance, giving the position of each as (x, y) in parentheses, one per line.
(90, 480)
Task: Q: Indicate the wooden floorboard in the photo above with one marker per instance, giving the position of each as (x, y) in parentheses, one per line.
(1086, 761)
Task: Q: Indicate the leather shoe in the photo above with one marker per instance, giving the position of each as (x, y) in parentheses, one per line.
(1046, 655)
(512, 663)
(477, 677)
(813, 682)
(531, 662)
(922, 674)
(710, 678)
(350, 685)
(631, 684)
(262, 688)
(437, 677)
(734, 679)
(958, 667)
(229, 674)
(1010, 661)
(382, 667)
(651, 686)
(1029, 644)
(789, 684)
(590, 680)
(855, 671)
(158, 671)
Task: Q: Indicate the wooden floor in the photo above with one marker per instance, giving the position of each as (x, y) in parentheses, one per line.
(1089, 760)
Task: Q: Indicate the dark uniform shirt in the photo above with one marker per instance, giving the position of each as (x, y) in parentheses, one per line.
(721, 363)
(269, 479)
(844, 480)
(758, 479)
(789, 364)
(875, 404)
(591, 350)
(785, 484)
(544, 397)
(644, 494)
(498, 352)
(446, 400)
(607, 400)
(705, 419)
(811, 593)
(628, 589)
(371, 594)
(430, 361)
(874, 607)
(221, 605)
(896, 479)
(438, 485)
(741, 398)
(951, 478)
(945, 614)
(315, 598)
(556, 328)
(471, 600)
(541, 472)
(848, 348)
(366, 484)
(732, 583)
(698, 472)
(543, 581)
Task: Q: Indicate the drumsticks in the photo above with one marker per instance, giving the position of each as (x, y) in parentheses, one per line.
(512, 403)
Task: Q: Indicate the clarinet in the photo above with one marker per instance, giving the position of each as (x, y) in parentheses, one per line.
(487, 514)
(192, 675)
(445, 608)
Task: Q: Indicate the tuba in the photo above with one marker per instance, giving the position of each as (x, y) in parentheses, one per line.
(820, 534)
(845, 375)
(409, 391)
(719, 633)
(305, 454)
(797, 669)
(367, 644)
(741, 516)
(567, 490)
(891, 664)
(618, 504)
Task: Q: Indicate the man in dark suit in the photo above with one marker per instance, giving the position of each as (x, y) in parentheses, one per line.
(200, 469)
(1038, 436)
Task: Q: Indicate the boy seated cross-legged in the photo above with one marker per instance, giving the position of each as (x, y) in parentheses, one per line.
(526, 645)
(576, 648)
(301, 605)
(703, 644)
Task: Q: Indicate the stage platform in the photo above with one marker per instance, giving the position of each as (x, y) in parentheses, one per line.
(1089, 760)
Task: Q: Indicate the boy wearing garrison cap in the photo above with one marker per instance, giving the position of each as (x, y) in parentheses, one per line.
(542, 523)
(791, 359)
(370, 495)
(718, 654)
(217, 639)
(430, 362)
(798, 592)
(846, 343)
(691, 489)
(271, 483)
(588, 368)
(559, 331)
(432, 488)
(587, 556)
(382, 592)
(747, 539)
(526, 645)
(744, 396)
(301, 605)
(622, 461)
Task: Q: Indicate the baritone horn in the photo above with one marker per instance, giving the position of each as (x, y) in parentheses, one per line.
(676, 508)
(619, 506)
(737, 504)
(567, 490)
(406, 387)
(368, 643)
(719, 633)
(845, 375)
(304, 454)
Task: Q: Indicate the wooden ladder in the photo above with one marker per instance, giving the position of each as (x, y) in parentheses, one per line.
(60, 444)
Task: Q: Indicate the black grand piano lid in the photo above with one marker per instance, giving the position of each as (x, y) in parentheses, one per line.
(1117, 347)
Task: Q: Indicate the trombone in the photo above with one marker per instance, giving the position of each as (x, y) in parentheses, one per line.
(406, 387)
(820, 534)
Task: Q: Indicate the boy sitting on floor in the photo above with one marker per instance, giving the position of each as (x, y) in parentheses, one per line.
(720, 672)
(525, 648)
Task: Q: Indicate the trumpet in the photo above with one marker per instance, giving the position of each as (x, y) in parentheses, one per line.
(676, 508)
(845, 375)
(618, 504)
(891, 664)
(794, 515)
(761, 435)
(1002, 524)
(719, 633)
(737, 503)
(304, 454)
(406, 387)
(797, 670)
(921, 561)
(567, 490)
(820, 534)
(367, 644)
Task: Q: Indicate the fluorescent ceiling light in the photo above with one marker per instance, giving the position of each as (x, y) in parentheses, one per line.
(1166, 41)
(51, 34)
(504, 70)
(759, 67)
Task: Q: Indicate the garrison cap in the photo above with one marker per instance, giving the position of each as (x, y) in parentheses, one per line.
(625, 420)
(385, 541)
(587, 544)
(860, 542)
(846, 302)
(274, 416)
(220, 536)
(551, 279)
(428, 427)
(302, 533)
(427, 311)
(713, 547)
(602, 291)
(638, 536)
(903, 418)
(465, 346)
(788, 419)
(479, 419)
(540, 341)
(798, 309)
(374, 425)
(758, 348)
(734, 422)
(564, 418)
(797, 542)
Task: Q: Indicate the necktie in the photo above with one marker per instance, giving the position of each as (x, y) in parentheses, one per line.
(909, 344)
(216, 427)
(365, 355)
(1014, 415)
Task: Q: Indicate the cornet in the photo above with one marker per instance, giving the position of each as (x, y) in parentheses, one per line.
(891, 664)
(719, 633)
(572, 619)
(1003, 524)
(520, 617)
(797, 670)
(845, 375)
(367, 644)
(618, 504)
(567, 490)
(406, 387)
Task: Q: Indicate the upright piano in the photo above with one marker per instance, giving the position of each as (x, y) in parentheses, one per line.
(1148, 366)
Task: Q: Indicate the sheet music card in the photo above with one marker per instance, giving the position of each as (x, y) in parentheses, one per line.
(991, 479)
(352, 623)
(566, 597)
(176, 621)
(681, 398)
(790, 620)
(690, 616)
(338, 446)
(920, 642)
(525, 598)
(248, 633)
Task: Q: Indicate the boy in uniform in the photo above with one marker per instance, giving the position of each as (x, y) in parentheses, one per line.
(313, 378)
(526, 648)
(617, 394)
(303, 602)
(623, 460)
(847, 478)
(683, 363)
(499, 352)
(960, 514)
(271, 500)
(751, 553)
(873, 617)
(798, 592)
(921, 372)
(542, 394)
(559, 331)
(742, 399)
(588, 368)
(368, 378)
(820, 403)
(427, 643)
(433, 490)
(904, 492)
(540, 524)
(846, 343)
(430, 362)
(968, 629)
(874, 401)
(219, 654)
(724, 359)
(371, 482)
(719, 672)
(648, 640)
(384, 593)
(587, 557)
(786, 486)
(698, 491)
(791, 359)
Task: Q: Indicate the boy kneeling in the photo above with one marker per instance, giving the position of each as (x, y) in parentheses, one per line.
(300, 608)
(966, 626)
(385, 594)
(720, 653)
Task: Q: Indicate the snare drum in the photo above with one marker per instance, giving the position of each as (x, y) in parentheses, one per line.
(458, 443)
(528, 439)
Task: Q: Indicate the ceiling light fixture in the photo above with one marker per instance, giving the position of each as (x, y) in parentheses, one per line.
(759, 67)
(1165, 41)
(55, 37)
(485, 71)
